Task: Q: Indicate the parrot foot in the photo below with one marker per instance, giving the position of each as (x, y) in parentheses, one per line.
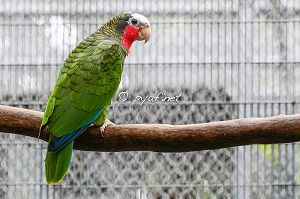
(104, 125)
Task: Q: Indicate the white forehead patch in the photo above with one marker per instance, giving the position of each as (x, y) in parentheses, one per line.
(141, 18)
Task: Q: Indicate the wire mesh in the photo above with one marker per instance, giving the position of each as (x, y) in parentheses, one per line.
(226, 60)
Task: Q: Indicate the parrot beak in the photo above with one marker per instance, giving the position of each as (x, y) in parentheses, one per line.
(144, 33)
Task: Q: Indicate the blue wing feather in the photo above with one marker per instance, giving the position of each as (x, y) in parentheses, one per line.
(58, 143)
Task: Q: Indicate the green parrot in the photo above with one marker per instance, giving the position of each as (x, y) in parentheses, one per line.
(87, 81)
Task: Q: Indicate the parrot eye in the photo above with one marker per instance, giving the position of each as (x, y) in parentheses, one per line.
(134, 22)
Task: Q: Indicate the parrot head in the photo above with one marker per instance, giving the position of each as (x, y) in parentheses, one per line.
(128, 27)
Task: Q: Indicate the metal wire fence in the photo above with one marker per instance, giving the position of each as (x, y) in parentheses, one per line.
(225, 59)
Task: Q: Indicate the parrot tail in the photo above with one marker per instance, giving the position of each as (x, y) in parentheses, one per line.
(58, 163)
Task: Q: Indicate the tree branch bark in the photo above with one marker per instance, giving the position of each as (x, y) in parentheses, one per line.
(162, 137)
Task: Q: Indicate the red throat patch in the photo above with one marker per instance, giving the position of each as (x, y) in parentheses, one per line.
(130, 35)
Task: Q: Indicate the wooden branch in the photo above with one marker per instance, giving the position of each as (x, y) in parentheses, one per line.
(161, 137)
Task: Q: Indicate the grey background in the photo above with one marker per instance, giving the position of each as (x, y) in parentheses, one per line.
(228, 59)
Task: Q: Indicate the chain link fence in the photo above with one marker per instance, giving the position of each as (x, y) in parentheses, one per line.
(224, 59)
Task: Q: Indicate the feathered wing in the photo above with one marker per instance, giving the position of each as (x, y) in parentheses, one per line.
(86, 84)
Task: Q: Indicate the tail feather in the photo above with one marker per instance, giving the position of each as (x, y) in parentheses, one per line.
(58, 163)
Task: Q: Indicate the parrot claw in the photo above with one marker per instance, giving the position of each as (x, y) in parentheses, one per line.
(104, 125)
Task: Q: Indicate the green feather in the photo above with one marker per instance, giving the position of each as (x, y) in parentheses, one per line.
(57, 164)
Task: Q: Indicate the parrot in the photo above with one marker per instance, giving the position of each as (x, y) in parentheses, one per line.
(87, 81)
